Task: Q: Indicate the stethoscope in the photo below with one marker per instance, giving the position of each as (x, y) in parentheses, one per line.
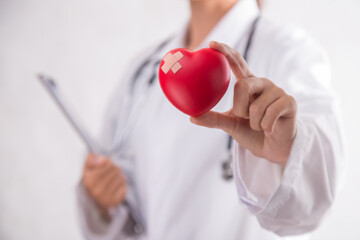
(122, 133)
(137, 106)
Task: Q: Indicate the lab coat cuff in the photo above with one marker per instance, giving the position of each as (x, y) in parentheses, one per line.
(272, 193)
(92, 223)
(291, 172)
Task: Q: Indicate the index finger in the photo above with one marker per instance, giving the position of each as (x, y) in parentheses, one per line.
(237, 62)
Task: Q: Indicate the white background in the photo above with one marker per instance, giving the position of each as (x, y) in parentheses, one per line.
(86, 44)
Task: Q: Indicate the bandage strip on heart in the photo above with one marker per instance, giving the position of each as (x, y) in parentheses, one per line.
(172, 62)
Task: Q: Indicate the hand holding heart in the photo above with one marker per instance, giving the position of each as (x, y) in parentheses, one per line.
(263, 116)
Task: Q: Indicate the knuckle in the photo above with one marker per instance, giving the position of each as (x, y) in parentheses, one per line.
(271, 112)
(255, 112)
(268, 82)
(278, 91)
(244, 86)
(255, 125)
(255, 109)
(242, 112)
(247, 82)
(291, 99)
(281, 91)
(292, 102)
(266, 125)
(237, 86)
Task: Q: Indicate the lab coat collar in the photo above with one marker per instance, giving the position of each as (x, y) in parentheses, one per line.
(231, 29)
(234, 25)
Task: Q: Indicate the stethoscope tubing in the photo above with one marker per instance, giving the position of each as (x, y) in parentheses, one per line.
(122, 134)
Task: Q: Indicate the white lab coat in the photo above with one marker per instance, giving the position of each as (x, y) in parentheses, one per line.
(174, 167)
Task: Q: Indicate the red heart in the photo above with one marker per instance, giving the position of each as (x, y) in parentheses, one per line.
(195, 83)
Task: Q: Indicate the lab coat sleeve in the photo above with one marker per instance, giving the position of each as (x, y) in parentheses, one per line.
(92, 225)
(294, 200)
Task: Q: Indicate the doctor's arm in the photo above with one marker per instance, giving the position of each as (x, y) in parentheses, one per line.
(102, 189)
(100, 193)
(288, 148)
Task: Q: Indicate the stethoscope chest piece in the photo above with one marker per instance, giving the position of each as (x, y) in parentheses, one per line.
(227, 170)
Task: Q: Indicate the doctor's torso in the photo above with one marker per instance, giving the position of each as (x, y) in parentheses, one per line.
(176, 166)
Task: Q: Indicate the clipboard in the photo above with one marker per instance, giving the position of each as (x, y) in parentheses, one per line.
(54, 92)
(91, 145)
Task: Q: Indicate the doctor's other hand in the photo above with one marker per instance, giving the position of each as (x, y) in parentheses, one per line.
(263, 117)
(104, 182)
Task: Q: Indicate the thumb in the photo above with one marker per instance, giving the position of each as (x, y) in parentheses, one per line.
(94, 160)
(215, 120)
